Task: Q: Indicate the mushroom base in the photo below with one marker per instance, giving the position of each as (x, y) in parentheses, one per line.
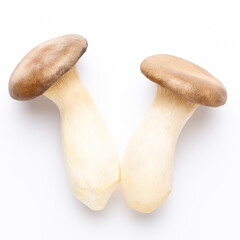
(90, 157)
(148, 160)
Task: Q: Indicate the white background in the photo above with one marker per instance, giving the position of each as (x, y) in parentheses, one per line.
(35, 197)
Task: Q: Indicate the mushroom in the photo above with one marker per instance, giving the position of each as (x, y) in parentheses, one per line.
(90, 157)
(148, 160)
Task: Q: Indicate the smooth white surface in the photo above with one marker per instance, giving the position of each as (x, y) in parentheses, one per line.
(35, 198)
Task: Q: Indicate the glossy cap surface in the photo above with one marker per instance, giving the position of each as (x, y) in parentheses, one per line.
(185, 79)
(45, 64)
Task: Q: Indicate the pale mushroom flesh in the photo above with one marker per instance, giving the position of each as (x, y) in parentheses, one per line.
(148, 160)
(90, 156)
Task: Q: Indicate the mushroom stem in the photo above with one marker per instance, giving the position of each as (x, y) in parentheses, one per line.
(148, 160)
(90, 157)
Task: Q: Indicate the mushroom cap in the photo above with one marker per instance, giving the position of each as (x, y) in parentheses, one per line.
(45, 64)
(185, 79)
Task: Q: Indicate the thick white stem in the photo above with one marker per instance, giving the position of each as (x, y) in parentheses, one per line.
(90, 157)
(148, 160)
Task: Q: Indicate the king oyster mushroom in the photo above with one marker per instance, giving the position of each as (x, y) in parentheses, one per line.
(148, 160)
(90, 157)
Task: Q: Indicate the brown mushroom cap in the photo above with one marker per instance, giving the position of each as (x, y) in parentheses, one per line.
(185, 79)
(45, 64)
